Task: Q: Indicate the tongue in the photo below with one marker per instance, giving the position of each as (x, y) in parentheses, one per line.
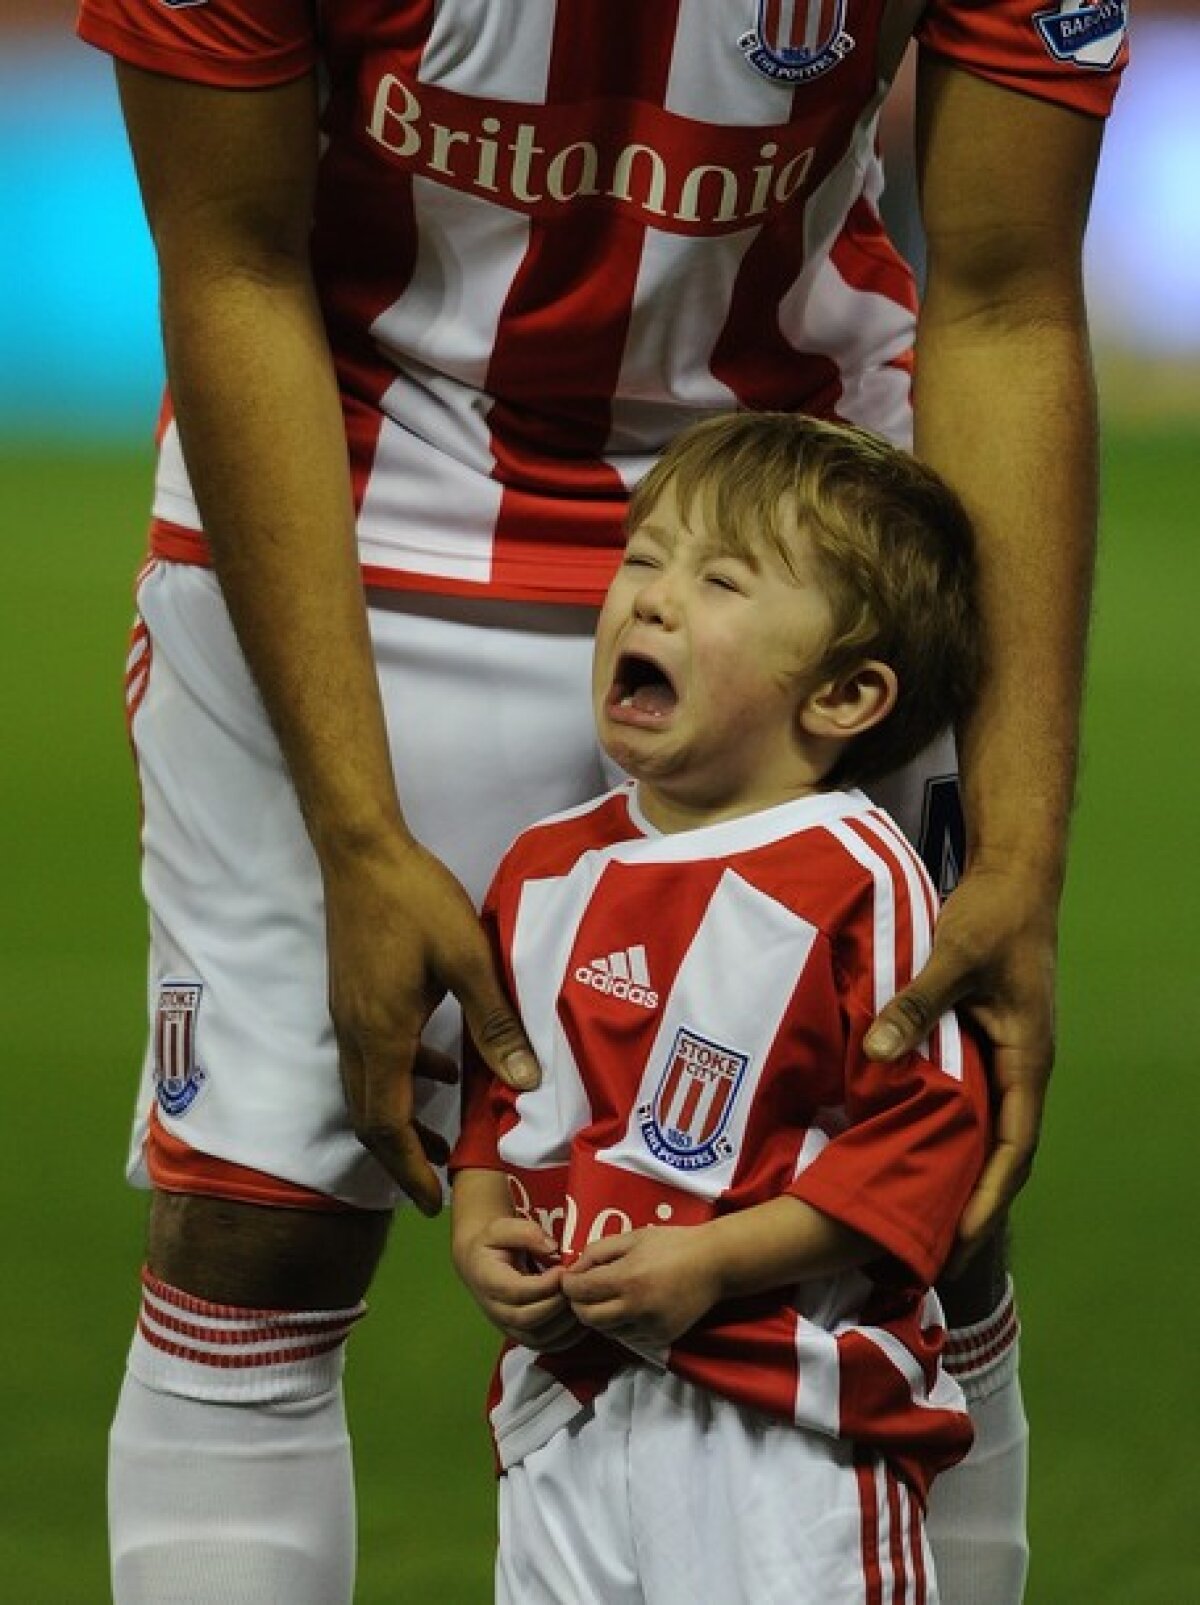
(656, 699)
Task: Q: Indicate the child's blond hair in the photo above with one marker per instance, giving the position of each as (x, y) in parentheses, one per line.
(892, 539)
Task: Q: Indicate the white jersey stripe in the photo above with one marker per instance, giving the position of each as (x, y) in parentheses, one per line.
(945, 1394)
(885, 910)
(531, 1408)
(516, 42)
(915, 882)
(451, 533)
(710, 1000)
(818, 1379)
(945, 1045)
(541, 952)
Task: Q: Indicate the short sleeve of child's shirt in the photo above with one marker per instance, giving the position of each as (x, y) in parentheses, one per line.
(487, 1106)
(1071, 52)
(230, 44)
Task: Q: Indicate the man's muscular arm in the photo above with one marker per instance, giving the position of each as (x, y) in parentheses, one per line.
(1005, 410)
(227, 178)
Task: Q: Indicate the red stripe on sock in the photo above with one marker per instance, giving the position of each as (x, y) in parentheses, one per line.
(976, 1350)
(247, 1333)
(235, 1362)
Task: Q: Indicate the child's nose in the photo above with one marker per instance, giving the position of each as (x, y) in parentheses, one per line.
(656, 601)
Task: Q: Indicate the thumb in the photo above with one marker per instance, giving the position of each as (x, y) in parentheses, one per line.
(500, 1038)
(910, 1016)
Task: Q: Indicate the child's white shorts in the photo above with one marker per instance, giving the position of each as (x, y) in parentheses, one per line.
(662, 1494)
(490, 718)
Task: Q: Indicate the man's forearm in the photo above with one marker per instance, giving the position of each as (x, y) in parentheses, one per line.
(1006, 411)
(264, 440)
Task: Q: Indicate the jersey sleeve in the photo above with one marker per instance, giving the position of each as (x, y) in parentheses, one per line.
(1071, 52)
(485, 1103)
(230, 44)
(488, 1106)
(911, 1137)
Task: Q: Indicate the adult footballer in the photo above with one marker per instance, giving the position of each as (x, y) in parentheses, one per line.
(438, 281)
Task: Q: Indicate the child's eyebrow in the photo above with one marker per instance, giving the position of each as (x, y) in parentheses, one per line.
(712, 548)
(717, 549)
(656, 532)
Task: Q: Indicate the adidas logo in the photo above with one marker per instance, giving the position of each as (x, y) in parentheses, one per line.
(623, 974)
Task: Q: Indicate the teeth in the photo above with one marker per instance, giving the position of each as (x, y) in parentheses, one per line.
(626, 701)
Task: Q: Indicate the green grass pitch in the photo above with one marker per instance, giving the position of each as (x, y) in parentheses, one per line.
(1104, 1234)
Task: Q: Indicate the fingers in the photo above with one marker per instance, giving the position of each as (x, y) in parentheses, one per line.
(527, 1292)
(519, 1234)
(501, 1040)
(533, 1321)
(1018, 1123)
(910, 1016)
(400, 1151)
(600, 1294)
(405, 1150)
(597, 1276)
(527, 1304)
(465, 965)
(604, 1251)
(379, 1096)
(433, 1145)
(433, 1065)
(558, 1331)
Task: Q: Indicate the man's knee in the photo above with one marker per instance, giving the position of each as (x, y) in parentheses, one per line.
(251, 1255)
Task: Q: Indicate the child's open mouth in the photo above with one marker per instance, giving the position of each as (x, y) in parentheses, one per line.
(643, 687)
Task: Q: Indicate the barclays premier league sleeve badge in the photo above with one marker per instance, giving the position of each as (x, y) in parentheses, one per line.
(1086, 33)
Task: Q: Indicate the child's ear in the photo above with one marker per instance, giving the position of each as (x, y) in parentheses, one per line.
(850, 705)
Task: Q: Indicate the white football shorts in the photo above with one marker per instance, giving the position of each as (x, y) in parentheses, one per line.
(489, 715)
(662, 1494)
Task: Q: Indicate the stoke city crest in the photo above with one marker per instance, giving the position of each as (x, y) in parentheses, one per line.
(178, 1077)
(685, 1122)
(793, 41)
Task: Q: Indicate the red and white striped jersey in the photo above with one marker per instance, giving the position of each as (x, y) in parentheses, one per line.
(697, 1003)
(550, 234)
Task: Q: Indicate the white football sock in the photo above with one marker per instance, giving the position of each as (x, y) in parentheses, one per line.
(976, 1524)
(230, 1477)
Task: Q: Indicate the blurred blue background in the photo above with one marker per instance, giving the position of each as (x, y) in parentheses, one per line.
(78, 342)
(79, 348)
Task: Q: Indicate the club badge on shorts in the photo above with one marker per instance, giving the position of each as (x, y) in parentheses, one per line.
(795, 40)
(1087, 33)
(684, 1124)
(177, 1076)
